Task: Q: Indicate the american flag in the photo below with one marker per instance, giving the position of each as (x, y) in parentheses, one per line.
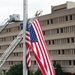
(35, 42)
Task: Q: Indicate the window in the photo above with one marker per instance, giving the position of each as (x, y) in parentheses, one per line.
(10, 62)
(54, 62)
(59, 52)
(52, 41)
(69, 62)
(70, 17)
(68, 40)
(4, 39)
(66, 18)
(73, 62)
(61, 29)
(49, 42)
(72, 40)
(62, 51)
(57, 30)
(51, 21)
(15, 54)
(47, 22)
(43, 32)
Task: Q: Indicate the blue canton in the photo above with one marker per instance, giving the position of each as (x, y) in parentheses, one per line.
(31, 30)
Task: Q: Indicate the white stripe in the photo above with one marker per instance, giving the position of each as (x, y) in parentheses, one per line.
(28, 42)
(34, 48)
(27, 37)
(27, 32)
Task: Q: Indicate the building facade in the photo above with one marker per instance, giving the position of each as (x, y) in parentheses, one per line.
(59, 32)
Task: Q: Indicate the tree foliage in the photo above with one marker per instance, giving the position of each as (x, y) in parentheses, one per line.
(58, 69)
(15, 70)
(18, 70)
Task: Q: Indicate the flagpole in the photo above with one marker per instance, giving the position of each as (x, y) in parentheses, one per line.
(25, 18)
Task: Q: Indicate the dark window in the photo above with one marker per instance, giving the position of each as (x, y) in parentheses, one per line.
(69, 62)
(54, 62)
(43, 32)
(58, 51)
(61, 29)
(68, 40)
(57, 30)
(52, 41)
(49, 42)
(72, 39)
(48, 22)
(66, 18)
(73, 62)
(70, 17)
(51, 21)
(62, 51)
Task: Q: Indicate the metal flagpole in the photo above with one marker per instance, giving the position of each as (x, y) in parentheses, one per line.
(25, 18)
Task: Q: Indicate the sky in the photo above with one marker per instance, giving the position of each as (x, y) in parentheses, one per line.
(9, 7)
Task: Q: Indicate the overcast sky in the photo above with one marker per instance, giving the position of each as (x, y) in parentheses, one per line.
(9, 7)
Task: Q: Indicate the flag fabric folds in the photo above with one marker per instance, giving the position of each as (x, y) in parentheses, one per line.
(28, 56)
(36, 43)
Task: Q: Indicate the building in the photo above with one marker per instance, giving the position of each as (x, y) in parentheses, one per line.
(59, 32)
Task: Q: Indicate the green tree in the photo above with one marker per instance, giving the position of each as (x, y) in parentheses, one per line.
(58, 69)
(15, 70)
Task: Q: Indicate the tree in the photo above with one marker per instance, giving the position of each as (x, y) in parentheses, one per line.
(15, 70)
(58, 69)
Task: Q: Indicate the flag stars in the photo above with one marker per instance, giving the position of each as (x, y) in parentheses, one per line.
(31, 30)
